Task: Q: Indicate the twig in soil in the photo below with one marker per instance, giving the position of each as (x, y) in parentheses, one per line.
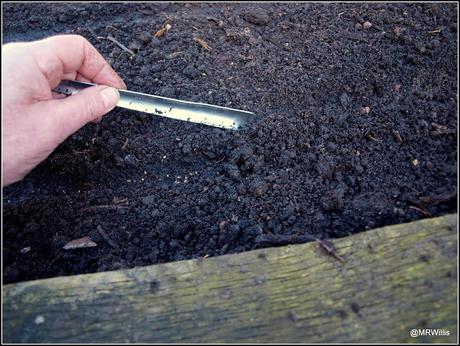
(439, 199)
(441, 130)
(373, 138)
(212, 19)
(117, 200)
(124, 145)
(174, 55)
(82, 152)
(121, 54)
(164, 29)
(111, 28)
(397, 135)
(94, 34)
(160, 32)
(422, 210)
(220, 159)
(327, 246)
(136, 139)
(25, 250)
(197, 29)
(202, 43)
(107, 238)
(434, 31)
(219, 22)
(54, 260)
(111, 206)
(122, 46)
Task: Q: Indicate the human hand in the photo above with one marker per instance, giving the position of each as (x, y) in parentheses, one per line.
(35, 119)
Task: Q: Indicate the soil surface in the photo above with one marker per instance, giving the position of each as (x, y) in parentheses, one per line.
(357, 128)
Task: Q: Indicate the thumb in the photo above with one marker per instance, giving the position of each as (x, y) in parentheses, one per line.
(73, 112)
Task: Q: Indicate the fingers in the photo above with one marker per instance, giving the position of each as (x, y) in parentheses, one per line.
(67, 54)
(70, 76)
(58, 96)
(66, 116)
(75, 76)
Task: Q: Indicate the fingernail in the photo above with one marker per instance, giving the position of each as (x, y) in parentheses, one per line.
(110, 97)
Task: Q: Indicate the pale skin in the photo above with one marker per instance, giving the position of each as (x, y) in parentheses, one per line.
(36, 120)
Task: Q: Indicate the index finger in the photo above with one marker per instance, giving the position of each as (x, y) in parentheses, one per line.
(66, 54)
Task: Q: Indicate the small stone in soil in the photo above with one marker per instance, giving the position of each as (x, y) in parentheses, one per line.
(257, 17)
(365, 110)
(367, 25)
(129, 160)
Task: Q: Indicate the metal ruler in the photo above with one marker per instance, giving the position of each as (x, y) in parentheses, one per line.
(201, 113)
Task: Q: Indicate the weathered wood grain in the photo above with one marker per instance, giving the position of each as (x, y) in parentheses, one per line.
(393, 279)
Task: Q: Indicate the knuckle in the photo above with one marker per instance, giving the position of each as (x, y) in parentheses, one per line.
(79, 39)
(74, 40)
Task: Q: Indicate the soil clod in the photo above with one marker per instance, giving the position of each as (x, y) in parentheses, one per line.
(257, 17)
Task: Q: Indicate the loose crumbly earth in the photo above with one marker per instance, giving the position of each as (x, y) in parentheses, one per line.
(357, 128)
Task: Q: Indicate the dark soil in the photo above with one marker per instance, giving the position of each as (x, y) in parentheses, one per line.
(318, 163)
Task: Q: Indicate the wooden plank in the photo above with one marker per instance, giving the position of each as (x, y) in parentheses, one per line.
(393, 279)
